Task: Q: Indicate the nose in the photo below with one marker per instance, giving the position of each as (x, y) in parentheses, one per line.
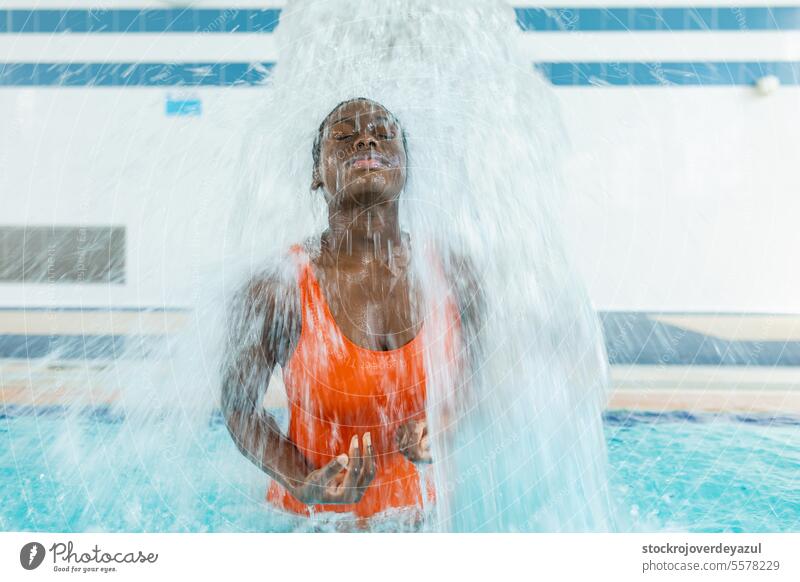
(365, 141)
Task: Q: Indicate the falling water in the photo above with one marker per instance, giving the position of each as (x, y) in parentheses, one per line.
(519, 447)
(483, 137)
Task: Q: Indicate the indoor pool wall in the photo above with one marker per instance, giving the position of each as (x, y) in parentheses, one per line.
(645, 136)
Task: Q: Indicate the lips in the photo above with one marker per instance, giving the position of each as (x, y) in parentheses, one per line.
(368, 161)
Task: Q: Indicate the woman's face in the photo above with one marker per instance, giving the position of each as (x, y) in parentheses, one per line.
(362, 156)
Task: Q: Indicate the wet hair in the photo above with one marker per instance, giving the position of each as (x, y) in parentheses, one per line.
(316, 152)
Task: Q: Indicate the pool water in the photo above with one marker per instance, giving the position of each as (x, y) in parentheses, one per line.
(674, 472)
(706, 473)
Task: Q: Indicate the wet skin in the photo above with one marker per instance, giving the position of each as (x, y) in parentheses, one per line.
(364, 273)
(363, 264)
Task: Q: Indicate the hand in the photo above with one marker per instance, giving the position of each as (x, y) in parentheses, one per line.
(343, 480)
(412, 440)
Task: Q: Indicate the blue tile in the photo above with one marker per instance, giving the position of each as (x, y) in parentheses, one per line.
(10, 75)
(128, 21)
(698, 19)
(214, 74)
(209, 74)
(659, 19)
(155, 20)
(50, 21)
(209, 20)
(129, 74)
(100, 20)
(788, 73)
(785, 17)
(591, 19)
(642, 74)
(75, 75)
(673, 18)
(661, 24)
(676, 74)
(202, 75)
(618, 19)
(619, 74)
(234, 73)
(46, 74)
(644, 19)
(245, 73)
(556, 19)
(552, 19)
(23, 21)
(561, 73)
(753, 19)
(75, 21)
(50, 74)
(725, 73)
(187, 74)
(729, 18)
(236, 20)
(181, 20)
(532, 18)
(158, 74)
(103, 74)
(746, 73)
(263, 20)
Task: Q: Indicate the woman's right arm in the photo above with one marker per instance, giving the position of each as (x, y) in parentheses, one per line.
(263, 329)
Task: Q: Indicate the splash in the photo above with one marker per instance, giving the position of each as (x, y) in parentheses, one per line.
(484, 140)
(518, 446)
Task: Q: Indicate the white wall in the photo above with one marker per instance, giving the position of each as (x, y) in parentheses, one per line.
(685, 199)
(112, 156)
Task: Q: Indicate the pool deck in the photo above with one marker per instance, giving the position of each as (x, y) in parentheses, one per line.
(748, 363)
(706, 389)
(643, 388)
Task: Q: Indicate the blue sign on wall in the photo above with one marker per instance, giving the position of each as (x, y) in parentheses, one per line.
(177, 107)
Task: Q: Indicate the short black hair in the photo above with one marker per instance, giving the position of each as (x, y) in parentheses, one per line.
(317, 149)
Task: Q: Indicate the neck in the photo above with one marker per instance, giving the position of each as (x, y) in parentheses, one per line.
(364, 233)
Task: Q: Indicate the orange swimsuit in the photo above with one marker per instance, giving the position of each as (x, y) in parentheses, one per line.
(337, 389)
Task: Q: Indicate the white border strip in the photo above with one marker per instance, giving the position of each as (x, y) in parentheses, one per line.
(398, 557)
(579, 46)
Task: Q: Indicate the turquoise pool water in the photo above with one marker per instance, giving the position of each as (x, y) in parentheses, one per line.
(677, 472)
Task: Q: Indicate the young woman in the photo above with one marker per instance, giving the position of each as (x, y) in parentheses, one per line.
(347, 329)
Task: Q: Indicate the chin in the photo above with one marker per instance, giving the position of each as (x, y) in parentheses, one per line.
(369, 196)
(371, 190)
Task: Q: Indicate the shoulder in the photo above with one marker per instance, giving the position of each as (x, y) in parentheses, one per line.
(266, 307)
(273, 284)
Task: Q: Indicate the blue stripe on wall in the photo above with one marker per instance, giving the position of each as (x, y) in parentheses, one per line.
(100, 20)
(132, 74)
(565, 19)
(598, 74)
(631, 339)
(668, 73)
(636, 339)
(642, 19)
(65, 347)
